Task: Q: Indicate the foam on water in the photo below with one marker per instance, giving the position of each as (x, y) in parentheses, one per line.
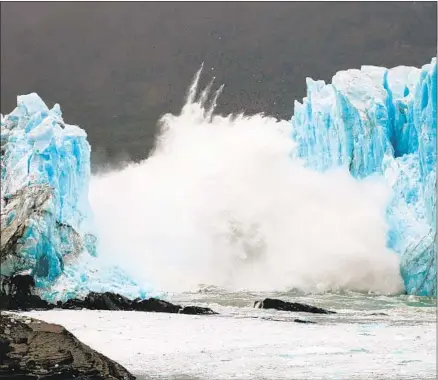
(220, 202)
(248, 343)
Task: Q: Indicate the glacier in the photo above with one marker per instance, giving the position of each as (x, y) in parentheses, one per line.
(379, 121)
(374, 121)
(46, 218)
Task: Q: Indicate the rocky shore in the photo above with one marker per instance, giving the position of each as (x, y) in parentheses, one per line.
(272, 303)
(33, 349)
(98, 301)
(21, 296)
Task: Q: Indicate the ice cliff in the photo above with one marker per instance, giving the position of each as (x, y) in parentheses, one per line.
(374, 121)
(379, 121)
(46, 220)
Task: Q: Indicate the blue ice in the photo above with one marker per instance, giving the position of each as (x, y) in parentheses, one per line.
(379, 121)
(47, 158)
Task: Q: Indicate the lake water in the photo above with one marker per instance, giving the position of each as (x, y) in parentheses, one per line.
(370, 337)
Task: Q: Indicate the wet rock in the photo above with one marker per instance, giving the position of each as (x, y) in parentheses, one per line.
(112, 301)
(18, 284)
(32, 349)
(99, 301)
(22, 285)
(196, 310)
(31, 302)
(303, 321)
(271, 303)
(155, 305)
(107, 301)
(16, 294)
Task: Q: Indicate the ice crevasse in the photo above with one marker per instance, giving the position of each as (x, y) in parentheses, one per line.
(46, 219)
(379, 121)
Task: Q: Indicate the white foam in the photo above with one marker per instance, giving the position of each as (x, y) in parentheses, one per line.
(220, 202)
(166, 346)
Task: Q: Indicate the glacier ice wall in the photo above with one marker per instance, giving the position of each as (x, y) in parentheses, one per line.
(46, 219)
(41, 154)
(375, 121)
(380, 121)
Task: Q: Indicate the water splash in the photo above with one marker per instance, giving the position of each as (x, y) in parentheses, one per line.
(220, 202)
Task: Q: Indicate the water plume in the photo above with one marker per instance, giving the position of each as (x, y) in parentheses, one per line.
(220, 202)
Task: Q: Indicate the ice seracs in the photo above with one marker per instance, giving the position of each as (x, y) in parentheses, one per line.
(379, 121)
(46, 219)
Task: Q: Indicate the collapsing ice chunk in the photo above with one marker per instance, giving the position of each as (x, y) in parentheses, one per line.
(377, 121)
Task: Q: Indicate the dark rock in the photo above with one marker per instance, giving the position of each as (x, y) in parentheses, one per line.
(32, 349)
(98, 301)
(302, 321)
(196, 310)
(22, 285)
(72, 304)
(380, 314)
(156, 305)
(16, 294)
(112, 301)
(270, 303)
(18, 284)
(106, 301)
(32, 302)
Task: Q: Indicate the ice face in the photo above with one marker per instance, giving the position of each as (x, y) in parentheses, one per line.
(47, 222)
(377, 121)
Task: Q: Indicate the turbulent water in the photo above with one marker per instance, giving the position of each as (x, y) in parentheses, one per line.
(370, 337)
(221, 203)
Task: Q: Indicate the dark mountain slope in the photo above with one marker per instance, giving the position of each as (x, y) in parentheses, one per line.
(116, 67)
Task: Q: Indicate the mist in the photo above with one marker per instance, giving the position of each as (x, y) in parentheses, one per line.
(219, 201)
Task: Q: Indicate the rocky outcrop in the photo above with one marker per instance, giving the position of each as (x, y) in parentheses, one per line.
(303, 321)
(31, 302)
(33, 349)
(112, 301)
(16, 293)
(98, 301)
(271, 303)
(155, 305)
(196, 310)
(20, 297)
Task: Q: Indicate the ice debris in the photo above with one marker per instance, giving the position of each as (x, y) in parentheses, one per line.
(46, 219)
(379, 121)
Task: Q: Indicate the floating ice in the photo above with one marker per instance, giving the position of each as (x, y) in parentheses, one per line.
(382, 122)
